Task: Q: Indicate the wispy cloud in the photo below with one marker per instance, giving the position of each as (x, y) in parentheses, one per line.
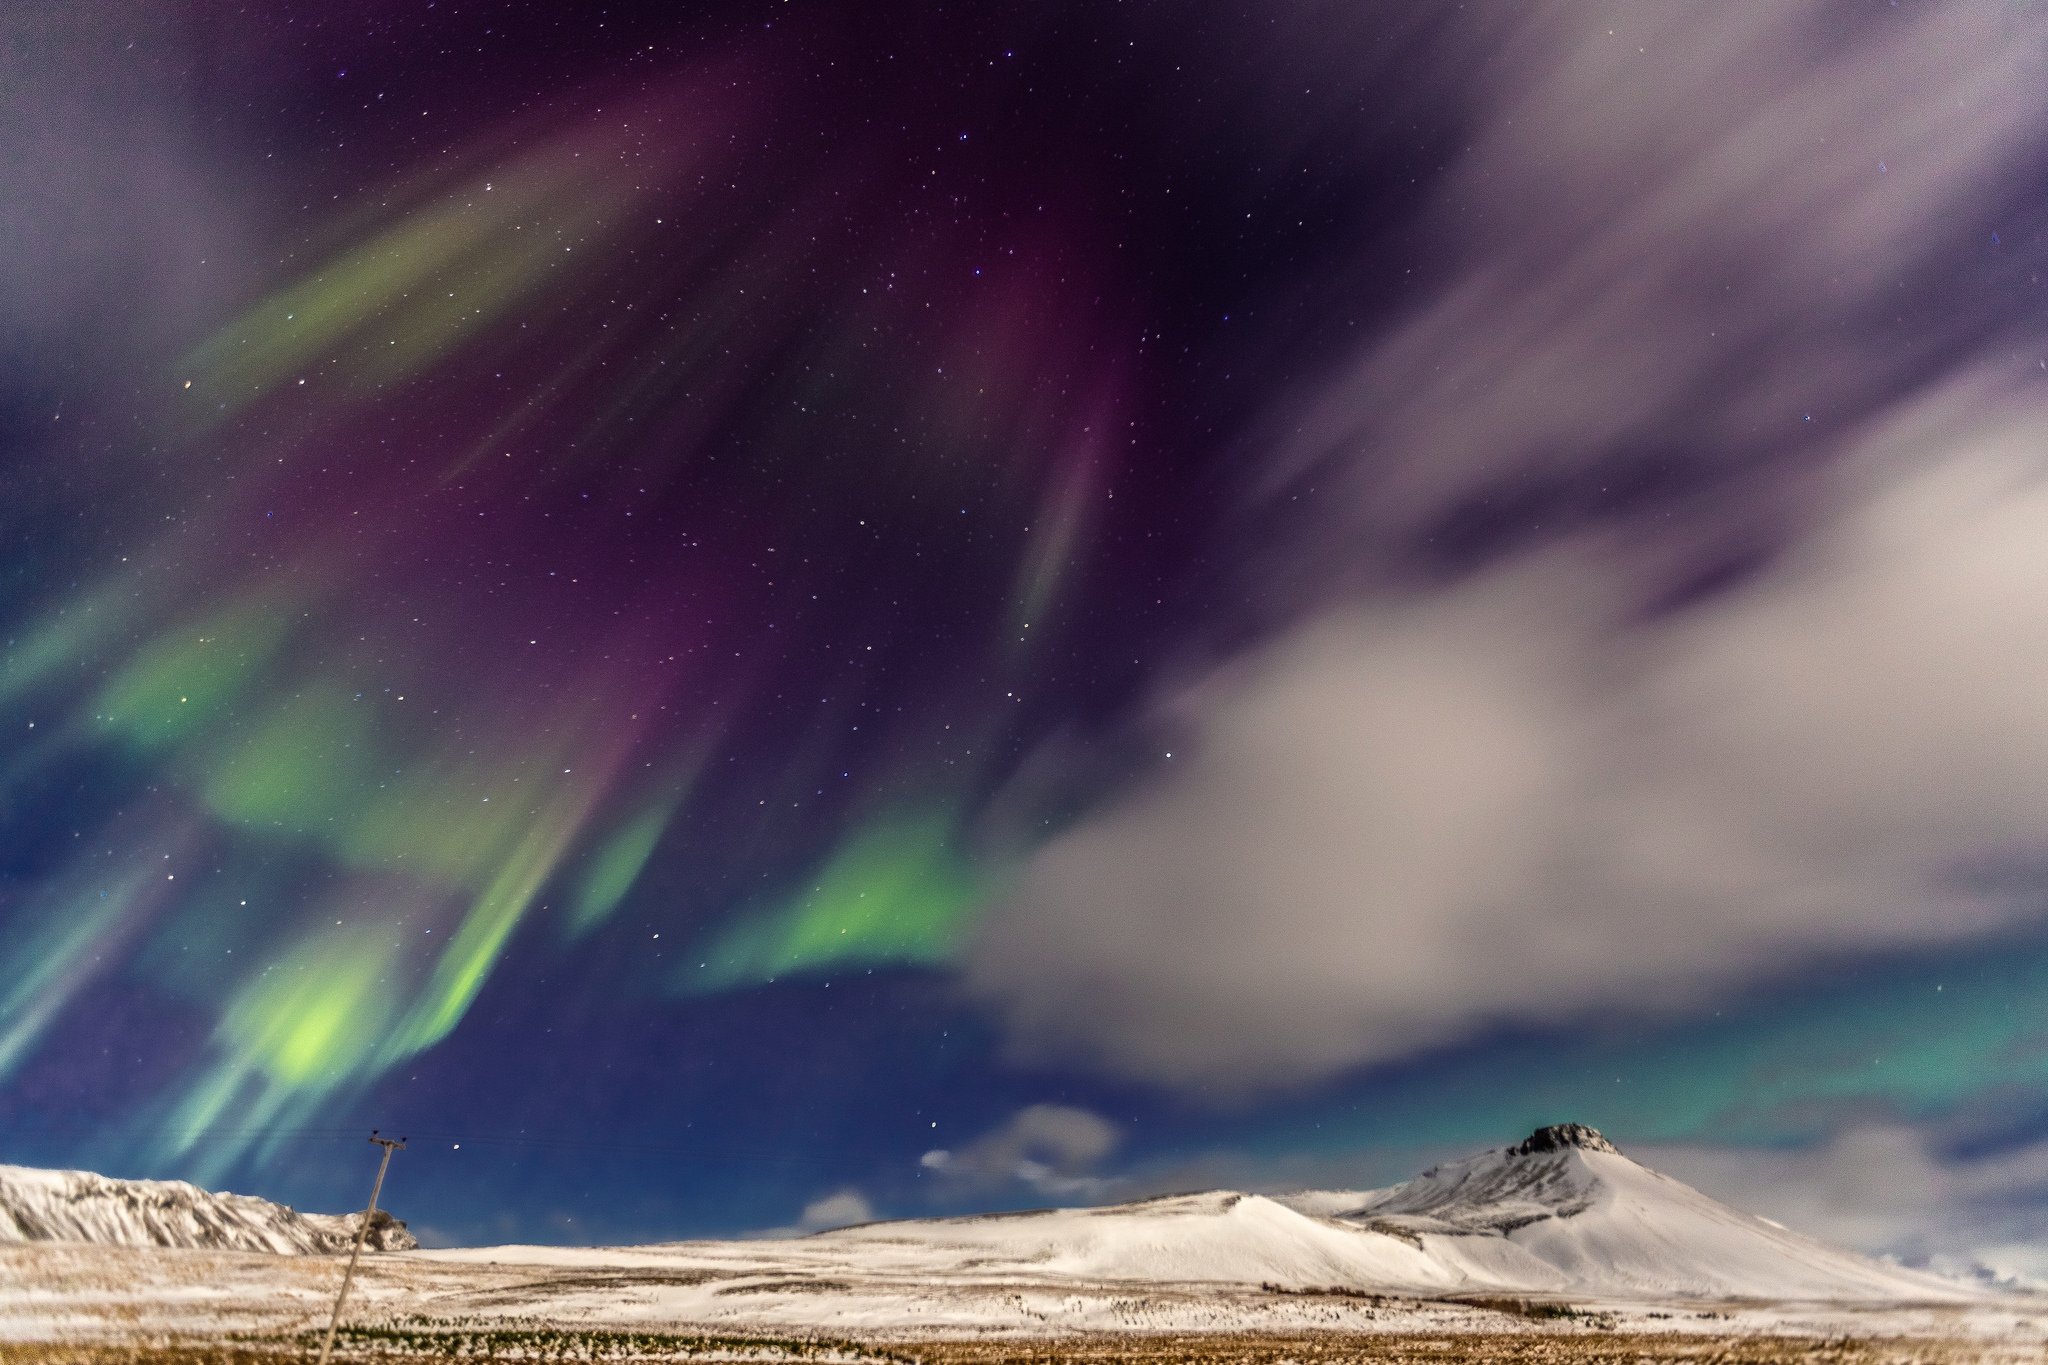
(837, 1210)
(1667, 620)
(1889, 1189)
(1051, 1148)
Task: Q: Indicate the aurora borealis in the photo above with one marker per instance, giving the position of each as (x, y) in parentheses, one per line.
(709, 602)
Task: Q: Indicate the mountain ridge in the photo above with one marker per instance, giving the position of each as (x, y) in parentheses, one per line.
(38, 1205)
(1563, 1211)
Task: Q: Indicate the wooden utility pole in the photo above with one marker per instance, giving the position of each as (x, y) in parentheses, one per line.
(389, 1145)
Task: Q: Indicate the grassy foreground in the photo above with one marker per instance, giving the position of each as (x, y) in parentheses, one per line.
(1548, 1348)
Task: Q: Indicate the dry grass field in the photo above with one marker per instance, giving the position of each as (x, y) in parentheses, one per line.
(1534, 1348)
(1549, 1348)
(81, 1305)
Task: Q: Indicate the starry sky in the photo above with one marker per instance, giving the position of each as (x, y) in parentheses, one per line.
(742, 616)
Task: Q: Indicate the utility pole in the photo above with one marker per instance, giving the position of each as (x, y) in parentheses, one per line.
(389, 1145)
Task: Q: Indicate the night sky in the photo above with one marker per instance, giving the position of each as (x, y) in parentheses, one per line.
(745, 616)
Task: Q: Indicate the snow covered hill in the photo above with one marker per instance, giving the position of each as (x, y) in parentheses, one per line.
(78, 1206)
(1493, 1243)
(1565, 1211)
(1561, 1213)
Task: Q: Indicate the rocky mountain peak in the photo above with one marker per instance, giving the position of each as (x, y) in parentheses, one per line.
(80, 1206)
(1559, 1136)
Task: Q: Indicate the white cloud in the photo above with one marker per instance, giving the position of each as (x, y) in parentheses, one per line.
(112, 227)
(1407, 820)
(1049, 1147)
(1677, 227)
(1883, 1191)
(841, 1209)
(836, 1211)
(1538, 790)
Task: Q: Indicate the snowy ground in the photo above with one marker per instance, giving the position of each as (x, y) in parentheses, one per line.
(86, 1294)
(1556, 1248)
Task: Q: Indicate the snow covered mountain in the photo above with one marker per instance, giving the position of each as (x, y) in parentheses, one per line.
(1564, 1210)
(1494, 1242)
(1560, 1213)
(78, 1206)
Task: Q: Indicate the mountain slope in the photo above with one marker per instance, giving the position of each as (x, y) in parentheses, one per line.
(1563, 1212)
(1568, 1201)
(78, 1206)
(1218, 1236)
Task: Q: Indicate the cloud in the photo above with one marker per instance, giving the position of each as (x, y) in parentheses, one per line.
(113, 229)
(1886, 1190)
(1511, 801)
(836, 1211)
(1681, 240)
(841, 1209)
(1049, 1147)
(1552, 771)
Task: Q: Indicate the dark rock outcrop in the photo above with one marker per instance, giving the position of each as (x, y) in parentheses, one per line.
(1560, 1136)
